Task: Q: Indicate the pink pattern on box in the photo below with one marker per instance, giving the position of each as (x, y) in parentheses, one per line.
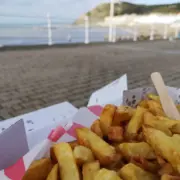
(16, 171)
(56, 134)
(96, 109)
(72, 131)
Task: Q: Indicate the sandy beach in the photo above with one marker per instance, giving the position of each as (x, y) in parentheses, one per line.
(36, 78)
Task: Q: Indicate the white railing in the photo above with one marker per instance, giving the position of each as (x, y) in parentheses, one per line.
(54, 30)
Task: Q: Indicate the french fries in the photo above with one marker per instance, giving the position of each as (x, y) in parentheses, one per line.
(135, 123)
(53, 175)
(102, 150)
(133, 172)
(155, 108)
(67, 164)
(153, 121)
(143, 104)
(150, 166)
(168, 147)
(166, 169)
(122, 113)
(123, 144)
(141, 149)
(105, 174)
(154, 97)
(96, 128)
(89, 170)
(83, 155)
(169, 177)
(38, 170)
(115, 134)
(73, 144)
(106, 118)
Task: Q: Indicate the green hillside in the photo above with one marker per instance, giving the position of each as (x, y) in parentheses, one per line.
(101, 11)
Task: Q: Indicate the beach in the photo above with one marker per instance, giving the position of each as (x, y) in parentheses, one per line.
(61, 34)
(34, 78)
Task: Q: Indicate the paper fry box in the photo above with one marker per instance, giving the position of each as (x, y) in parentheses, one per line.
(111, 93)
(133, 97)
(39, 123)
(83, 118)
(20, 134)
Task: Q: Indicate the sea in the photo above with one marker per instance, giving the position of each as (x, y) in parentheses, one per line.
(18, 35)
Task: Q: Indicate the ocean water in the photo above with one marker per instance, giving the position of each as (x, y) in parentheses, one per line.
(34, 35)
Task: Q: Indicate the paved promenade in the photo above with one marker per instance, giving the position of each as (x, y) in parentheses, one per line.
(32, 79)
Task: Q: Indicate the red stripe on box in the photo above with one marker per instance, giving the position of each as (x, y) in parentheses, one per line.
(72, 131)
(96, 110)
(56, 133)
(17, 171)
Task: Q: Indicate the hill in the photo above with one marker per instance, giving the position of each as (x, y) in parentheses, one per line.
(102, 10)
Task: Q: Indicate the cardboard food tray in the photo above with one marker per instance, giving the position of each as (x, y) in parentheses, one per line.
(83, 118)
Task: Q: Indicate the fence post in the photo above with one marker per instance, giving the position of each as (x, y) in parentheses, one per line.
(49, 29)
(86, 19)
(176, 32)
(114, 34)
(152, 32)
(112, 4)
(165, 31)
(135, 33)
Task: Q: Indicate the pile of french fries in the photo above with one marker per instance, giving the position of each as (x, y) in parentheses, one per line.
(123, 144)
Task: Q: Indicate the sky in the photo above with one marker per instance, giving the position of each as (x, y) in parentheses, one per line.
(62, 9)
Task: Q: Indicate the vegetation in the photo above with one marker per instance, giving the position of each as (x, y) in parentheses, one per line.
(101, 11)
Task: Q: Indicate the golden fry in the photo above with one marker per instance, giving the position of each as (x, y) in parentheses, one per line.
(167, 147)
(178, 107)
(160, 160)
(154, 97)
(173, 125)
(105, 174)
(168, 126)
(175, 129)
(141, 149)
(117, 164)
(53, 175)
(140, 137)
(38, 170)
(150, 166)
(66, 161)
(143, 104)
(153, 121)
(133, 172)
(135, 123)
(122, 113)
(73, 144)
(89, 170)
(166, 169)
(169, 177)
(102, 150)
(116, 134)
(155, 108)
(53, 156)
(83, 155)
(106, 118)
(96, 128)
